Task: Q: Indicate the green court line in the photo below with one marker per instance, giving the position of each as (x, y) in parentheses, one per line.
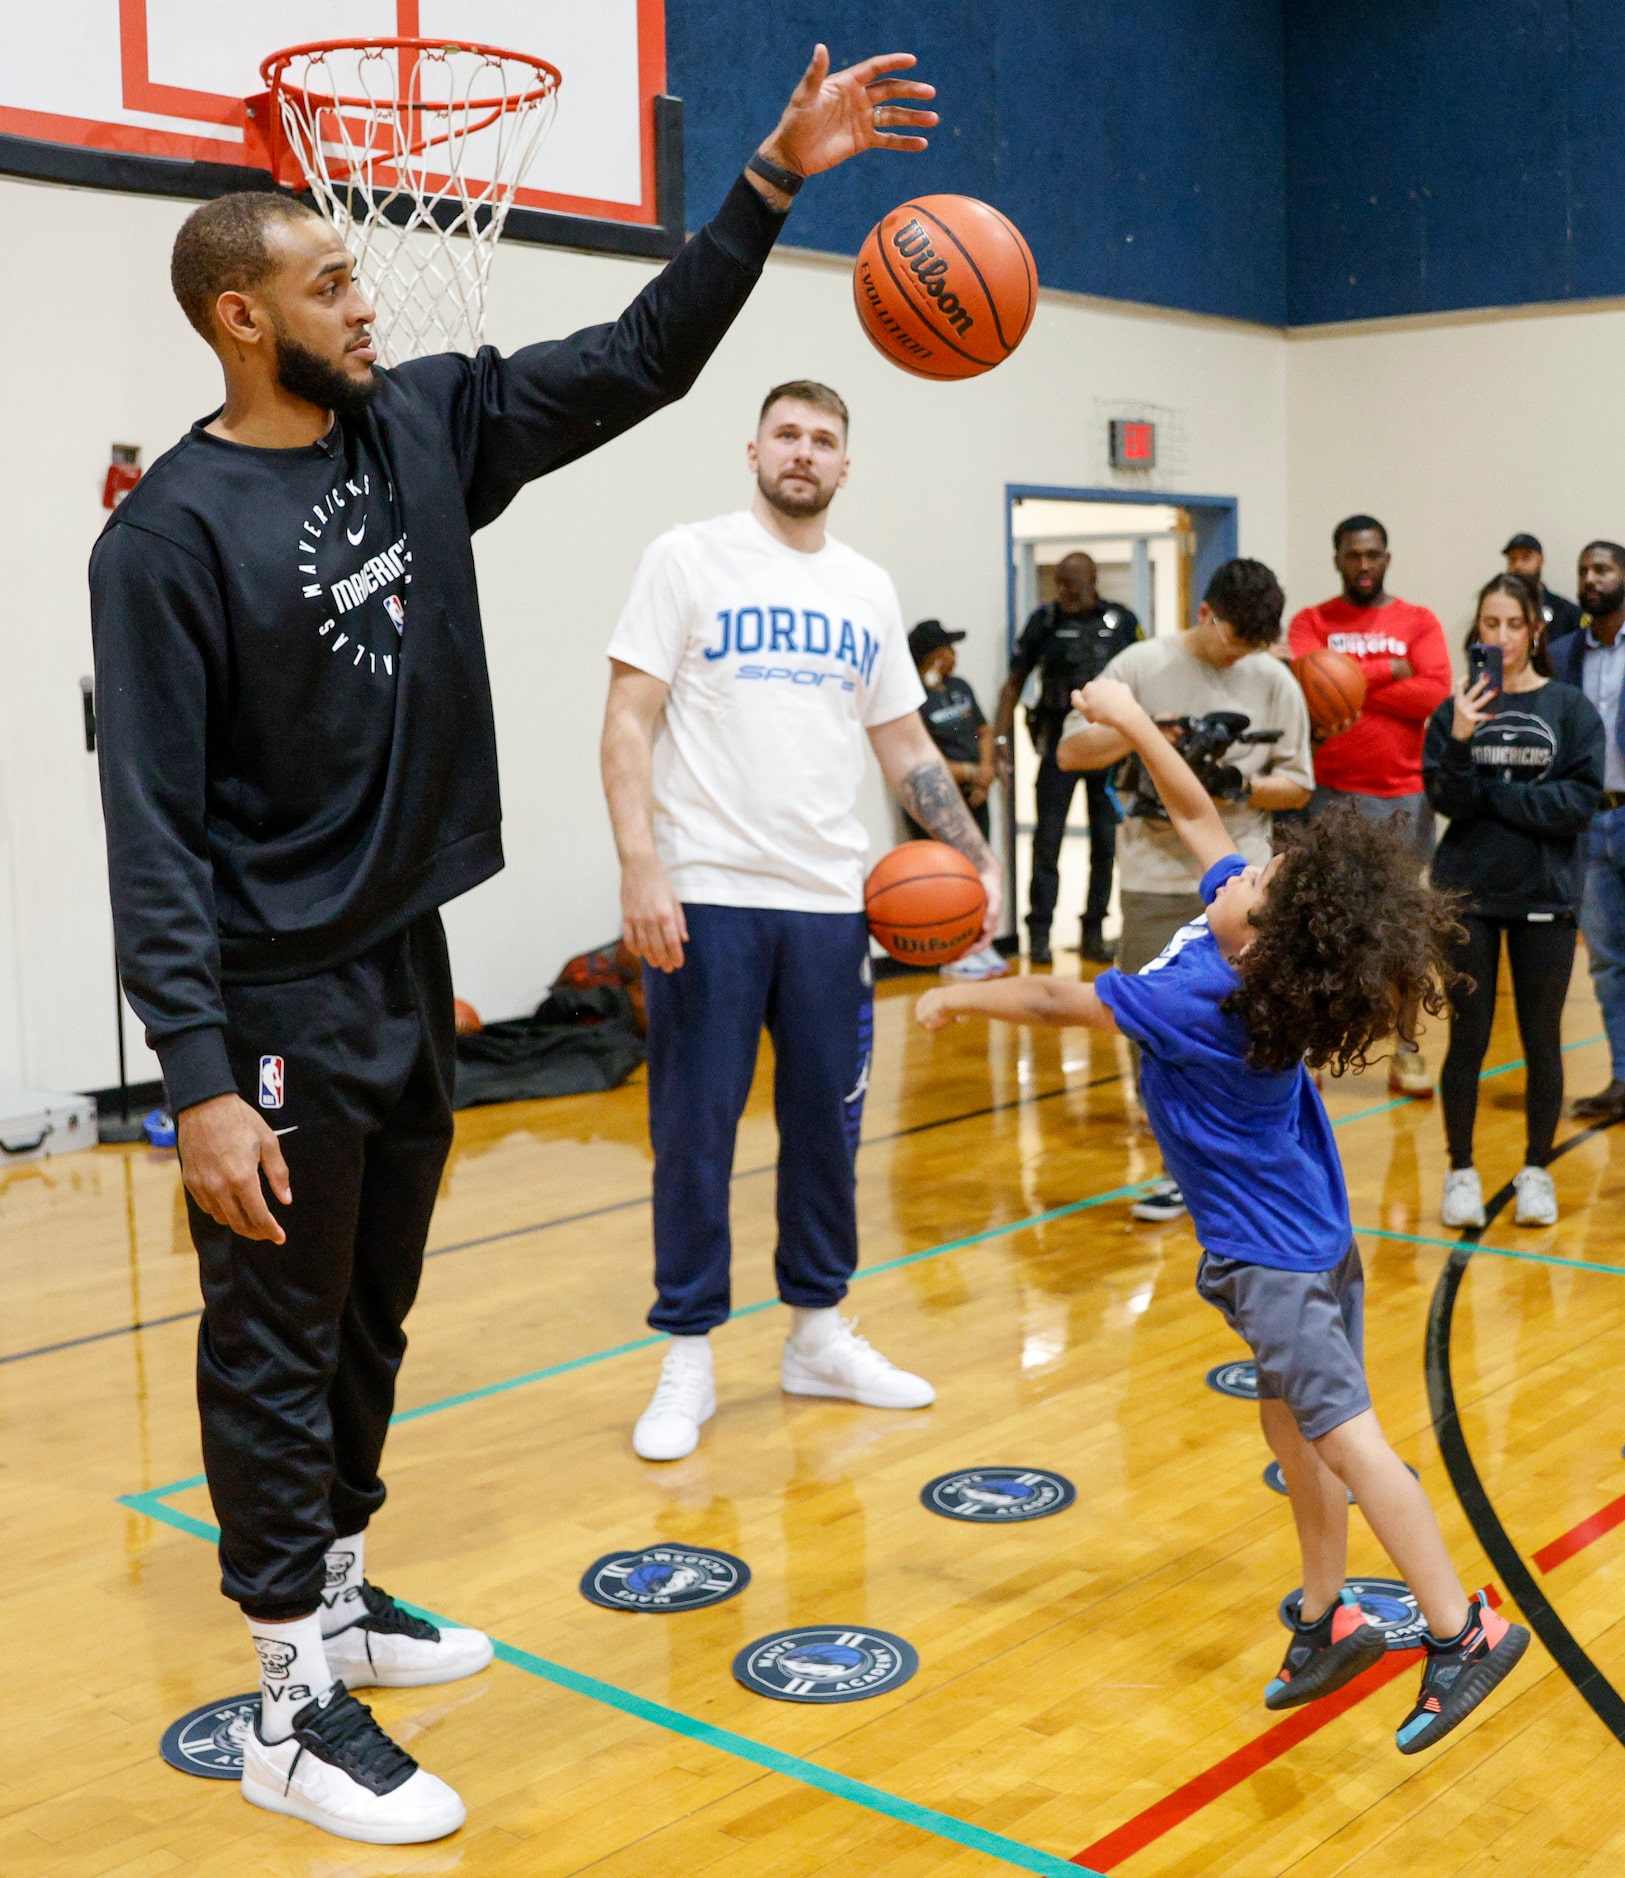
(723, 1740)
(1494, 1251)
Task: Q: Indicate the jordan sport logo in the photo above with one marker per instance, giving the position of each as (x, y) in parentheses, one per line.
(825, 1663)
(270, 1082)
(998, 1496)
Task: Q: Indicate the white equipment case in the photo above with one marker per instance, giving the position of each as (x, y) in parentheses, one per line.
(35, 1123)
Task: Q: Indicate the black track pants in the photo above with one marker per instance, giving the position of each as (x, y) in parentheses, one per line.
(1053, 798)
(301, 1342)
(1541, 955)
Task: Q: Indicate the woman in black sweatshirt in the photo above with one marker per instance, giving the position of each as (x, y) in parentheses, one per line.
(1519, 773)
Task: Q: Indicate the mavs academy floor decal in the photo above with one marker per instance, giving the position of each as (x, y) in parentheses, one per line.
(998, 1495)
(209, 1741)
(825, 1663)
(664, 1578)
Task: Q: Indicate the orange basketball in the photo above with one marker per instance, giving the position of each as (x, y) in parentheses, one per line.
(925, 903)
(945, 286)
(468, 1019)
(1333, 687)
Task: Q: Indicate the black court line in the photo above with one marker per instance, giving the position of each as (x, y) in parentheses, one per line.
(574, 1219)
(1563, 1647)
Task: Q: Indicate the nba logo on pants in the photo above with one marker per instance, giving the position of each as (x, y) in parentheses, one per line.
(270, 1082)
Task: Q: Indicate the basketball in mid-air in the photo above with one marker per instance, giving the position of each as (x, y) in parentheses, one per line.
(945, 286)
(1333, 687)
(925, 903)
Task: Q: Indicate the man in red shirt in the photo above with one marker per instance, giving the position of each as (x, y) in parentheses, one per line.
(1376, 762)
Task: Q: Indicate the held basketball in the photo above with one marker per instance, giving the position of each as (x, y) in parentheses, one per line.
(945, 286)
(925, 903)
(1333, 687)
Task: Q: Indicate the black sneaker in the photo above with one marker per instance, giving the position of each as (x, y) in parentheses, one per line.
(1093, 944)
(1038, 952)
(1338, 1646)
(1163, 1202)
(1607, 1105)
(1459, 1674)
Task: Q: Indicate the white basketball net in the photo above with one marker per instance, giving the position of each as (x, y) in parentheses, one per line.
(414, 151)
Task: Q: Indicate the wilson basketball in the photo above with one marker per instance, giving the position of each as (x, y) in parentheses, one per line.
(945, 286)
(925, 903)
(1333, 687)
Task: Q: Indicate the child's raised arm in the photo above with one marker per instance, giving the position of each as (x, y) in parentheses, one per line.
(1190, 808)
(1062, 1002)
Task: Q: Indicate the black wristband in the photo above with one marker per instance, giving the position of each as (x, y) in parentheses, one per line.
(787, 180)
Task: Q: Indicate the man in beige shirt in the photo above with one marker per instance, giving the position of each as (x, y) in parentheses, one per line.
(1222, 663)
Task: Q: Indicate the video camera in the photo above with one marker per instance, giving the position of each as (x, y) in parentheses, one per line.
(1203, 742)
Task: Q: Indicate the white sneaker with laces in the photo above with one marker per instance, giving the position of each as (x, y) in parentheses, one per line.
(988, 963)
(849, 1368)
(684, 1397)
(1537, 1197)
(1164, 1201)
(389, 1648)
(338, 1770)
(1463, 1203)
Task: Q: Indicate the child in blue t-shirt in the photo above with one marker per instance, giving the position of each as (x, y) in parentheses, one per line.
(1332, 946)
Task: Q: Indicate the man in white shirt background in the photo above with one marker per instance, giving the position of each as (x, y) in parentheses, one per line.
(754, 656)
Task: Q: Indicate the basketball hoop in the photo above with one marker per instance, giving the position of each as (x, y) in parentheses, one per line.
(414, 149)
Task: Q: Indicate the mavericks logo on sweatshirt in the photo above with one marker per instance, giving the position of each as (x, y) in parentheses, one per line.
(355, 575)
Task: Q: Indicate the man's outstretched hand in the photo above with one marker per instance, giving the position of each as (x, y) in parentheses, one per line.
(223, 1146)
(835, 115)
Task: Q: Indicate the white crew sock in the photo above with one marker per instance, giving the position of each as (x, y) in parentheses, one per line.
(696, 1348)
(341, 1596)
(293, 1670)
(813, 1329)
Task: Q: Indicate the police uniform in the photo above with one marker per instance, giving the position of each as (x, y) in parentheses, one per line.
(1068, 650)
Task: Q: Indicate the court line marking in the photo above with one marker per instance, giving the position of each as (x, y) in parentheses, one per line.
(724, 1740)
(1577, 1538)
(1495, 1251)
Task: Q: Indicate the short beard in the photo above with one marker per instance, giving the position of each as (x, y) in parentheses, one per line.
(796, 507)
(307, 375)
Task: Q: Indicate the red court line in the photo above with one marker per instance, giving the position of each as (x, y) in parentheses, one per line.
(1577, 1538)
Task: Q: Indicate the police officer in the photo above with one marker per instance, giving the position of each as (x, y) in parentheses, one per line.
(1070, 641)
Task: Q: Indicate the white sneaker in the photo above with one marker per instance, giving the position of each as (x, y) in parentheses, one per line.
(1463, 1203)
(988, 963)
(1537, 1197)
(1164, 1201)
(851, 1369)
(340, 1771)
(684, 1397)
(390, 1648)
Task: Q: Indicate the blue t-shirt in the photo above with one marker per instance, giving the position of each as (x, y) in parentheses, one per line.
(1252, 1150)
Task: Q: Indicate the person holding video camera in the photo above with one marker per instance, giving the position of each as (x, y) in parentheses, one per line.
(1222, 664)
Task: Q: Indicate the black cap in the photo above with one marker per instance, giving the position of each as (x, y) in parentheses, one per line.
(1524, 541)
(930, 636)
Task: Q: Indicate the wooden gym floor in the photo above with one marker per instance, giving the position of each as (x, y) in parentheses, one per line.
(1089, 1686)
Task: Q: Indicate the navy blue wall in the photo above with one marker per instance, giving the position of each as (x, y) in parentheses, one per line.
(1453, 153)
(1140, 148)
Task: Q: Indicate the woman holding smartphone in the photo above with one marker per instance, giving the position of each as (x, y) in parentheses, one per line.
(1515, 760)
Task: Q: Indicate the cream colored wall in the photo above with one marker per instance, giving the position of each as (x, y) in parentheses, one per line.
(93, 351)
(1456, 434)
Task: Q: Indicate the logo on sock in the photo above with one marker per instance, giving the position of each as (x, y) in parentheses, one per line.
(276, 1659)
(339, 1565)
(270, 1082)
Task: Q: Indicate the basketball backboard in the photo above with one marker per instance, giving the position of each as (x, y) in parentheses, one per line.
(148, 95)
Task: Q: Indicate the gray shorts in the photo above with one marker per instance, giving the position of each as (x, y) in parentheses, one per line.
(1306, 1331)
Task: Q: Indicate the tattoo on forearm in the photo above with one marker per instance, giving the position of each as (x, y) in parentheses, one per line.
(932, 797)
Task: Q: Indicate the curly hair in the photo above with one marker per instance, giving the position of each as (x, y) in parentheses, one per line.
(1353, 946)
(1248, 598)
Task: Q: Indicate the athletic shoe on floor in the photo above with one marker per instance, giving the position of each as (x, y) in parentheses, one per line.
(684, 1397)
(1408, 1074)
(1537, 1197)
(1322, 1656)
(984, 964)
(1463, 1202)
(849, 1368)
(340, 1771)
(1459, 1674)
(1094, 946)
(1038, 952)
(1164, 1201)
(390, 1648)
(1607, 1105)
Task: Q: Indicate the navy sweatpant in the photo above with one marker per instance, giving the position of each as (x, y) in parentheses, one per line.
(805, 977)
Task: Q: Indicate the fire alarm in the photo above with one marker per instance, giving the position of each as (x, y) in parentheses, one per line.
(1134, 444)
(123, 473)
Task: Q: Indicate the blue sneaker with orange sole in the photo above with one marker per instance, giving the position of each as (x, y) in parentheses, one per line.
(1460, 1673)
(1324, 1655)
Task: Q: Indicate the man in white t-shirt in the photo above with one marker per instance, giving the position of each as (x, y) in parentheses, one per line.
(754, 659)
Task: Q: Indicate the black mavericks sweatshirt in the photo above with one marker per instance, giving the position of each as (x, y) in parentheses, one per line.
(296, 742)
(1519, 795)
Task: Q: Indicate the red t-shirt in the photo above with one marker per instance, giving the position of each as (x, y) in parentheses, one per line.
(1381, 754)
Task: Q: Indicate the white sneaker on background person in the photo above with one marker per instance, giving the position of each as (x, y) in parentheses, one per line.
(340, 1771)
(684, 1398)
(1463, 1202)
(988, 963)
(1163, 1202)
(824, 1355)
(389, 1648)
(1537, 1197)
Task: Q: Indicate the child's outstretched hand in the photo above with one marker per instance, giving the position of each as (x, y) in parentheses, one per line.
(1109, 701)
(933, 1010)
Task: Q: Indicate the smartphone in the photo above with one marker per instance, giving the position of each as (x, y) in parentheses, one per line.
(1485, 662)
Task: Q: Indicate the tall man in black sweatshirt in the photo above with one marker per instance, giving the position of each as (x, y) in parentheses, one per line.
(298, 770)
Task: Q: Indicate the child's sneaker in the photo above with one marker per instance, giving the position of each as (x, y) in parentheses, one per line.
(1459, 1674)
(1324, 1655)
